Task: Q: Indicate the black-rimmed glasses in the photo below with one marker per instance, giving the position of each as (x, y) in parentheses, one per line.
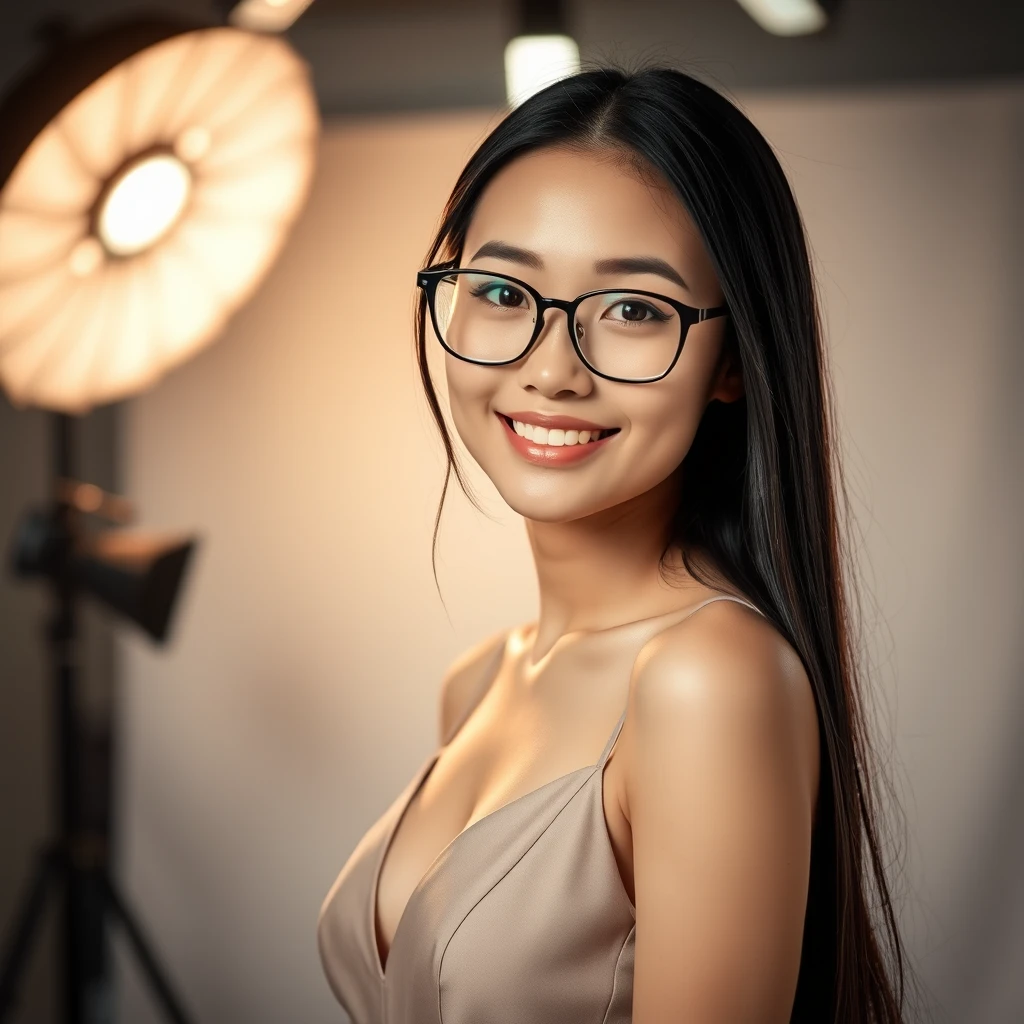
(624, 335)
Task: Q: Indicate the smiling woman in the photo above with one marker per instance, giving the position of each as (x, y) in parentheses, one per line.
(667, 438)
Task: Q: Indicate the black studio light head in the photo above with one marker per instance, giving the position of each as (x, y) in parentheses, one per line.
(137, 575)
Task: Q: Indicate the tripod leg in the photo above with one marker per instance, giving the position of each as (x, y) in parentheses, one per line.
(153, 971)
(25, 922)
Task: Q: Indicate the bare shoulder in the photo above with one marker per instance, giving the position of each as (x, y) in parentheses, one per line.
(726, 671)
(720, 779)
(466, 677)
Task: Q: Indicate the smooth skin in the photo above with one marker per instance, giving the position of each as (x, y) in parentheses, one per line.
(711, 790)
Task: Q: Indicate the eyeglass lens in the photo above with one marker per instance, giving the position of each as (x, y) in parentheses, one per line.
(487, 318)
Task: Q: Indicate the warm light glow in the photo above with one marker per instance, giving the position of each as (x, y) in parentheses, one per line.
(786, 17)
(188, 230)
(143, 205)
(193, 143)
(533, 62)
(267, 15)
(86, 257)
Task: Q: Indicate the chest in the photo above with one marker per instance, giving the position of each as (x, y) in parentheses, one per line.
(524, 735)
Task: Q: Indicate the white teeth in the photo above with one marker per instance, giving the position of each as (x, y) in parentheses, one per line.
(554, 437)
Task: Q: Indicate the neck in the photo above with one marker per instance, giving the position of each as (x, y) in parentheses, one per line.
(602, 571)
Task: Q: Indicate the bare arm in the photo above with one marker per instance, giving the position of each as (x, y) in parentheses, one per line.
(721, 780)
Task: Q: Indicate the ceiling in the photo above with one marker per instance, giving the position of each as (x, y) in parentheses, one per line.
(372, 56)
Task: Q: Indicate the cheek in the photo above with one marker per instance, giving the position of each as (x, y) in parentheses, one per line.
(664, 420)
(661, 429)
(470, 390)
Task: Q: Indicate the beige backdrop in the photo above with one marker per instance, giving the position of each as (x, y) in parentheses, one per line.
(300, 690)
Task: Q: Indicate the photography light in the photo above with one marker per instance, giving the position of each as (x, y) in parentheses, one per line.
(541, 53)
(790, 17)
(148, 178)
(266, 15)
(143, 203)
(135, 574)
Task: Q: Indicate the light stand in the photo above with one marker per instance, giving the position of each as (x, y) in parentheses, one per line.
(139, 579)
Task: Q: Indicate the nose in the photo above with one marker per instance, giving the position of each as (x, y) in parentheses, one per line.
(551, 366)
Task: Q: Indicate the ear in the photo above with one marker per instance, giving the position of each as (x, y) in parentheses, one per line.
(728, 381)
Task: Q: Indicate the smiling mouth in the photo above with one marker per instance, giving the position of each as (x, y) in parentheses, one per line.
(562, 436)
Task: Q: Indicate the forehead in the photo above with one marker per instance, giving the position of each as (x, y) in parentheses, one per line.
(568, 204)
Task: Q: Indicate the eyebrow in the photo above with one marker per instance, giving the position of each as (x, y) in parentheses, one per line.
(616, 265)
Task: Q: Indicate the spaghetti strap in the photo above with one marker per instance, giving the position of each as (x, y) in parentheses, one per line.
(725, 597)
(611, 740)
(696, 608)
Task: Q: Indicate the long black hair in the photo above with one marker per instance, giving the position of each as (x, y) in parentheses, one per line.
(762, 499)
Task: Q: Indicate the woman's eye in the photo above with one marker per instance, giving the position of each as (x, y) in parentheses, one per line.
(502, 295)
(633, 311)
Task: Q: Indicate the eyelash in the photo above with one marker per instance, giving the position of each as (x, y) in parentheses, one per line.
(484, 288)
(656, 314)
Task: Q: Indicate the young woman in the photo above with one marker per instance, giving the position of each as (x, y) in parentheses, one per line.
(622, 289)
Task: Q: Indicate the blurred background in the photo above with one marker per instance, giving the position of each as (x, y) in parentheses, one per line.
(247, 753)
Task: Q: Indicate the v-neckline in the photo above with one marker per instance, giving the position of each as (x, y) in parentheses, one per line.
(420, 779)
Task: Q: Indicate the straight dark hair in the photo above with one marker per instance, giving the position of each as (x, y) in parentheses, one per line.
(762, 486)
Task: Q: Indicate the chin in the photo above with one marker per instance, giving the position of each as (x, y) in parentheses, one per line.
(557, 502)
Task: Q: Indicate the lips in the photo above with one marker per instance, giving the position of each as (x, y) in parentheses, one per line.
(553, 455)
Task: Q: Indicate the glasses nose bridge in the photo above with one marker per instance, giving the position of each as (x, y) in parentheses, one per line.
(567, 306)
